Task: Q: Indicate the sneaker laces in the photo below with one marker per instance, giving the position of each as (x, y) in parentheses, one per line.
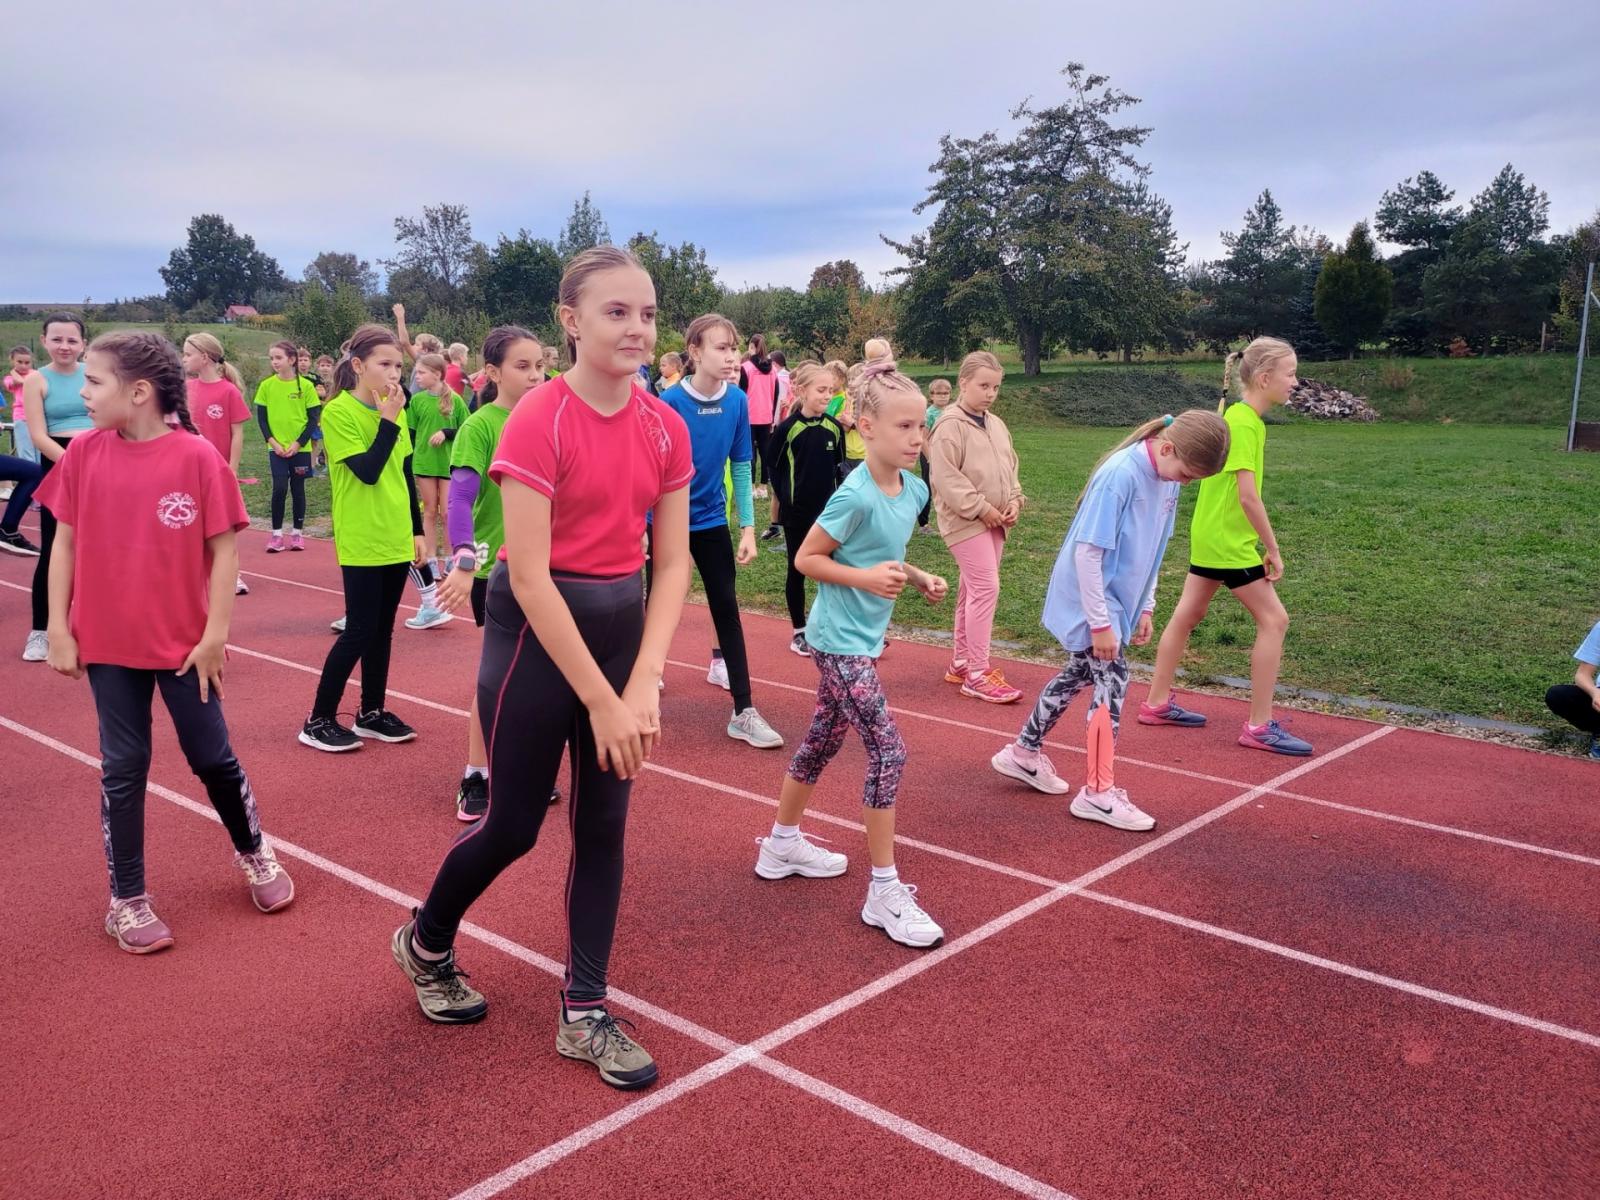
(443, 974)
(260, 867)
(133, 914)
(910, 909)
(607, 1029)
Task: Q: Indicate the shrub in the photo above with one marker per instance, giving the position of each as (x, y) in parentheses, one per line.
(1396, 377)
(1123, 397)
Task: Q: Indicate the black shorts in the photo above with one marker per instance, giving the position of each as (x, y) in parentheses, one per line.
(1232, 578)
(480, 594)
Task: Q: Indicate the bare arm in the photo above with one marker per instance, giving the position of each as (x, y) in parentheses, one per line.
(406, 348)
(63, 652)
(1255, 511)
(815, 561)
(1584, 678)
(236, 448)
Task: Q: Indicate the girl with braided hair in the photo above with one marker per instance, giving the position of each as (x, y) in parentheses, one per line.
(141, 595)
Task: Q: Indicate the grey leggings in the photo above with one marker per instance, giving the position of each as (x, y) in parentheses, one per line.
(1108, 677)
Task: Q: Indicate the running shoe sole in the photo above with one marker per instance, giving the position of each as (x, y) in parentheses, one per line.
(1011, 771)
(622, 1085)
(1088, 812)
(307, 740)
(1144, 720)
(805, 872)
(382, 737)
(866, 920)
(987, 699)
(443, 618)
(19, 551)
(163, 944)
(1251, 743)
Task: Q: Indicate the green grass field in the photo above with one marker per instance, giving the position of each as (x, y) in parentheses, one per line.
(1440, 557)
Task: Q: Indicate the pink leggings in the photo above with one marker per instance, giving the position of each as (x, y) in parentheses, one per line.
(976, 597)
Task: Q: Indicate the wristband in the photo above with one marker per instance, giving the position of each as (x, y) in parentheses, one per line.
(465, 559)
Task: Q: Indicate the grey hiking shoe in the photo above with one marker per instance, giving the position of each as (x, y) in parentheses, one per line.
(596, 1037)
(442, 990)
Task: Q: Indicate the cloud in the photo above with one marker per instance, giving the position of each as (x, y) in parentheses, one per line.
(776, 137)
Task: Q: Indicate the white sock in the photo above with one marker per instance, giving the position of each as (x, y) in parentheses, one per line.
(883, 878)
(278, 532)
(783, 833)
(482, 772)
(428, 594)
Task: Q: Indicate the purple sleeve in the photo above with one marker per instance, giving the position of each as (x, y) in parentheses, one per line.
(464, 484)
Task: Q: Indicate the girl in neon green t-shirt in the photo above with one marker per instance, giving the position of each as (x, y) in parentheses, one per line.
(436, 415)
(1232, 543)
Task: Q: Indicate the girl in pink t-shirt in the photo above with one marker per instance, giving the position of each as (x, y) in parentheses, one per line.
(572, 654)
(141, 594)
(215, 392)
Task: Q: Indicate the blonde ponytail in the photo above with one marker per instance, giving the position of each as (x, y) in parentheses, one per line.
(1200, 439)
(211, 347)
(1227, 378)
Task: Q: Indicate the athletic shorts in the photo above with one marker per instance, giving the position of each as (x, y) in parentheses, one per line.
(1232, 578)
(480, 595)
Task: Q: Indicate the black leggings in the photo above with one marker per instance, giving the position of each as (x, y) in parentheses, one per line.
(712, 552)
(758, 442)
(289, 477)
(26, 475)
(795, 528)
(47, 540)
(1572, 704)
(371, 599)
(530, 714)
(922, 464)
(122, 698)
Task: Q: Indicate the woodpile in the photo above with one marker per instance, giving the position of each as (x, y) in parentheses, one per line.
(1328, 403)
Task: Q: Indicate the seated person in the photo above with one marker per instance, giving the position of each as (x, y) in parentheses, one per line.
(1578, 702)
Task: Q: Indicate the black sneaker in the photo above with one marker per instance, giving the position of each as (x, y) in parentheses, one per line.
(324, 733)
(772, 533)
(384, 726)
(555, 795)
(472, 801)
(15, 543)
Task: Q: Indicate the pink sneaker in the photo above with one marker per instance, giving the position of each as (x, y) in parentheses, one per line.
(275, 543)
(297, 540)
(1035, 770)
(991, 687)
(136, 927)
(956, 673)
(270, 885)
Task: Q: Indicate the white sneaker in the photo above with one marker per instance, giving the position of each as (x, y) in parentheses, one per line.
(797, 856)
(718, 674)
(38, 647)
(1112, 808)
(897, 913)
(240, 587)
(1040, 775)
(337, 626)
(750, 726)
(429, 618)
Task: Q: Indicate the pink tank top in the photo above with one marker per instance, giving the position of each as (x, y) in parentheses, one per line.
(762, 392)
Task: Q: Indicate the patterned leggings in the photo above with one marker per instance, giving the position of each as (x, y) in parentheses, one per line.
(1109, 678)
(851, 695)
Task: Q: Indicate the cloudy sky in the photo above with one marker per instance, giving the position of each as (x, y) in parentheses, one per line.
(777, 136)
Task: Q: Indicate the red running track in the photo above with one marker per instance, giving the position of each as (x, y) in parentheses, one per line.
(1369, 974)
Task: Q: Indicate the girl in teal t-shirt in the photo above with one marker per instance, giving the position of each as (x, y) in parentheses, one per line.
(436, 415)
(855, 551)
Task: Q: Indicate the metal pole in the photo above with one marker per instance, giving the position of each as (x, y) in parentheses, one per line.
(1583, 345)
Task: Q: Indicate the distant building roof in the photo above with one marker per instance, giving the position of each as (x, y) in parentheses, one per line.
(241, 310)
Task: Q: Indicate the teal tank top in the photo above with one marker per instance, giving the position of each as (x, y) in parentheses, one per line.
(63, 402)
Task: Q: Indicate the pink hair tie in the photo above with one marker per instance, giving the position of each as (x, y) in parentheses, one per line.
(881, 366)
(171, 418)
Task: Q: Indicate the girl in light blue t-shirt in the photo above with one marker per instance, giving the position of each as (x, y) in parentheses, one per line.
(1101, 598)
(1578, 703)
(856, 553)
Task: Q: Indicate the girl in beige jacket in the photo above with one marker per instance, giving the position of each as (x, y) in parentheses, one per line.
(977, 497)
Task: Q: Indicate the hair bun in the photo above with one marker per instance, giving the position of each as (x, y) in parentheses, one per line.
(879, 366)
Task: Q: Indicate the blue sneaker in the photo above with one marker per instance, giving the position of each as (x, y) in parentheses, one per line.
(1274, 738)
(1594, 748)
(1170, 713)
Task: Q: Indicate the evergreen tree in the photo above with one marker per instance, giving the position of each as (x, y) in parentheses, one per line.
(585, 229)
(1353, 292)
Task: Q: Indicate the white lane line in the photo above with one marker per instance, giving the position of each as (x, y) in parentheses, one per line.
(733, 1055)
(1339, 968)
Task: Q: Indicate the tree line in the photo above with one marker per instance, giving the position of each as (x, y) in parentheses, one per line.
(1051, 237)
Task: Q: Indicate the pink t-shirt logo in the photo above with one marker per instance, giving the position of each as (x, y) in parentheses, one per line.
(214, 411)
(177, 510)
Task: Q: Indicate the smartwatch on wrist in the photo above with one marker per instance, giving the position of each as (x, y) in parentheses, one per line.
(465, 559)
